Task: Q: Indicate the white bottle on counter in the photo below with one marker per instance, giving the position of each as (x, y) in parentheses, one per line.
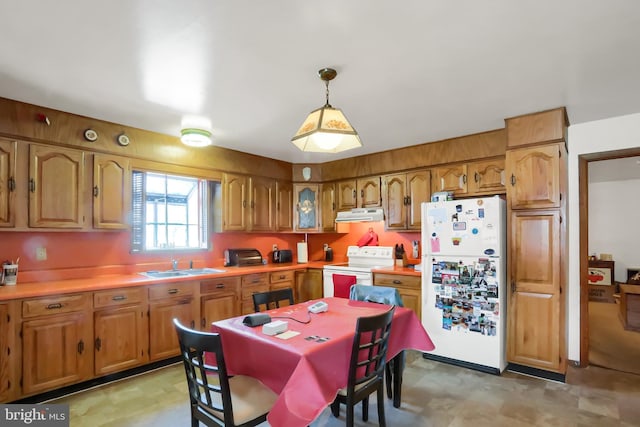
(303, 253)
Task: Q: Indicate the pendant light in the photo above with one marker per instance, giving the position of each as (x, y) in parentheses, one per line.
(326, 130)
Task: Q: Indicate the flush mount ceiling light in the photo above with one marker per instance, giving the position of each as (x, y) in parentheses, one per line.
(194, 137)
(326, 130)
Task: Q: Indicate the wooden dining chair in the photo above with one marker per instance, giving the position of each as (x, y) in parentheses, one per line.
(272, 299)
(366, 367)
(342, 284)
(215, 398)
(390, 296)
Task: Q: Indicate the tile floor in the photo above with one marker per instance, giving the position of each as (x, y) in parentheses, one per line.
(434, 394)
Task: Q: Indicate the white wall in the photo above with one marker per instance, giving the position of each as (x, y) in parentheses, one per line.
(614, 207)
(592, 137)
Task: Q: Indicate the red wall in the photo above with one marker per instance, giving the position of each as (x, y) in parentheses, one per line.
(80, 254)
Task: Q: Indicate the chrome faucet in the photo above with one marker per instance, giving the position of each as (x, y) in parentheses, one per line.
(174, 262)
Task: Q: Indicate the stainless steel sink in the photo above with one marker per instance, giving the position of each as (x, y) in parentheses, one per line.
(181, 273)
(206, 270)
(164, 274)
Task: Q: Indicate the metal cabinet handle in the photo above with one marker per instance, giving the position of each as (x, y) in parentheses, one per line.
(464, 178)
(476, 177)
(98, 344)
(12, 184)
(32, 185)
(119, 298)
(96, 191)
(172, 291)
(397, 282)
(513, 179)
(54, 306)
(80, 347)
(220, 286)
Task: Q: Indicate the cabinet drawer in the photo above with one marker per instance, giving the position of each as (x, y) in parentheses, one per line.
(281, 276)
(247, 291)
(397, 281)
(255, 279)
(55, 305)
(221, 285)
(115, 297)
(170, 290)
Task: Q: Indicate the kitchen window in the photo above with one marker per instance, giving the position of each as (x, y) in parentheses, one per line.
(169, 212)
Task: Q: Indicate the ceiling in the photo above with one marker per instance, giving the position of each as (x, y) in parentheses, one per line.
(408, 72)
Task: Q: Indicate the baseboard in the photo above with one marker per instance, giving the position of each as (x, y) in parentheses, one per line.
(463, 364)
(74, 388)
(535, 372)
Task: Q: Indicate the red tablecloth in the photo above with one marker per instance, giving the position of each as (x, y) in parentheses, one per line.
(307, 374)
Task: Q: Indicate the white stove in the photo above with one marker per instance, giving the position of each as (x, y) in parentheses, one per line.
(361, 262)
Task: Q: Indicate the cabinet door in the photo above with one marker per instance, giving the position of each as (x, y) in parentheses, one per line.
(534, 327)
(111, 192)
(369, 192)
(234, 202)
(309, 284)
(216, 307)
(418, 185)
(7, 183)
(450, 178)
(534, 175)
(347, 195)
(394, 201)
(262, 204)
(57, 351)
(284, 206)
(487, 177)
(328, 207)
(8, 386)
(306, 214)
(56, 186)
(121, 338)
(163, 340)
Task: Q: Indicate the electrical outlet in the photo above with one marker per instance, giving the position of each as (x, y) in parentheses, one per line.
(41, 254)
(274, 248)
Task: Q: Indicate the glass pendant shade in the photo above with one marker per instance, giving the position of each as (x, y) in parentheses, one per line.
(326, 130)
(195, 137)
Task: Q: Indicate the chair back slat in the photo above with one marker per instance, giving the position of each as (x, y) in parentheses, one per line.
(272, 299)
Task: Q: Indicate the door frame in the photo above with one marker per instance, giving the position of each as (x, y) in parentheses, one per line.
(583, 197)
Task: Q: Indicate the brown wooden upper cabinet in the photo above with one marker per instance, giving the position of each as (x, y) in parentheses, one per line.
(328, 207)
(534, 175)
(537, 128)
(306, 204)
(284, 206)
(486, 177)
(248, 203)
(359, 193)
(451, 178)
(7, 183)
(56, 187)
(111, 191)
(402, 195)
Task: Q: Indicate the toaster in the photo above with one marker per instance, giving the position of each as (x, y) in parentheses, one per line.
(282, 255)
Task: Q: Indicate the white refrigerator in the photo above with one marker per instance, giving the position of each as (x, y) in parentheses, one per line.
(463, 281)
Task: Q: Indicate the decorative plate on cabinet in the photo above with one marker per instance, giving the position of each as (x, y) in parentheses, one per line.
(123, 140)
(90, 135)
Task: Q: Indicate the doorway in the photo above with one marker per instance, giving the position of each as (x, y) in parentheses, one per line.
(602, 181)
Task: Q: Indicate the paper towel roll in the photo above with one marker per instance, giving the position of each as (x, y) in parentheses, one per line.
(303, 253)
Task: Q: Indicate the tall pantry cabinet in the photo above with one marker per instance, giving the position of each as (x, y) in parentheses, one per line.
(536, 170)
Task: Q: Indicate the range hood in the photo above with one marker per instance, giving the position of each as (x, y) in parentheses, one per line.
(361, 215)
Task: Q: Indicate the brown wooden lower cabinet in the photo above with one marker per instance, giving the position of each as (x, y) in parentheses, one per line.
(9, 383)
(218, 300)
(535, 335)
(409, 288)
(309, 284)
(121, 329)
(166, 302)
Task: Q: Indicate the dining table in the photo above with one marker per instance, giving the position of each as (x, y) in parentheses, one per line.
(308, 364)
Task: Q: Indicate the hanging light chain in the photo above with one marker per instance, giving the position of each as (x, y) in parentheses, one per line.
(326, 82)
